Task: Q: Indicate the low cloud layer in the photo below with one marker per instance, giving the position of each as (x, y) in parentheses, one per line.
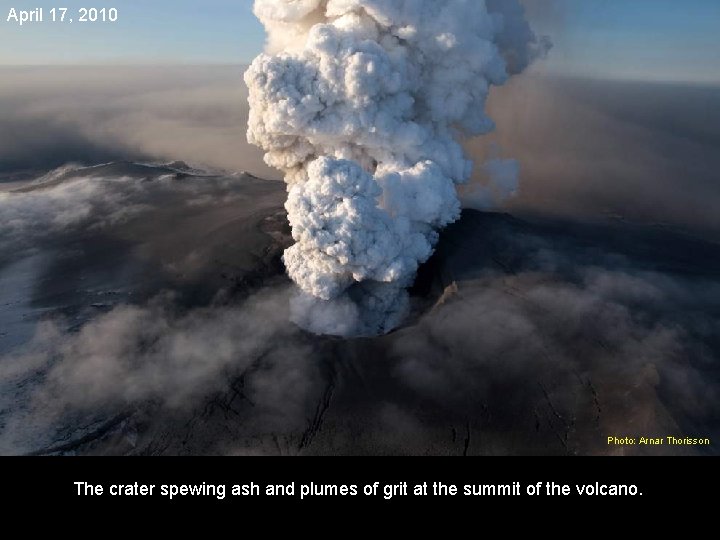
(93, 115)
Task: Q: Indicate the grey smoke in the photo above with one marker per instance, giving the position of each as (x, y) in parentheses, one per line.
(638, 152)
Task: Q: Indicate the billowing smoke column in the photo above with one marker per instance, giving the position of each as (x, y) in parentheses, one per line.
(361, 104)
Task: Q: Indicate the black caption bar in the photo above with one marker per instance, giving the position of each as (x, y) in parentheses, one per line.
(385, 481)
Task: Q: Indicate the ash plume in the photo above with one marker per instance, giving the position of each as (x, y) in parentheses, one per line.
(362, 105)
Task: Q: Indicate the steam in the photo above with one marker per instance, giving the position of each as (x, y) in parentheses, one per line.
(361, 103)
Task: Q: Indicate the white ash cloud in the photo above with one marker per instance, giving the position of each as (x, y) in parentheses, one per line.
(361, 103)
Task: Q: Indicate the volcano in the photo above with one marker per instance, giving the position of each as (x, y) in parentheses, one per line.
(154, 319)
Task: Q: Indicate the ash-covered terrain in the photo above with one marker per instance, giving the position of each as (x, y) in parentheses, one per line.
(144, 310)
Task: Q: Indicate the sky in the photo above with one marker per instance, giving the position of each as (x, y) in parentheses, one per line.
(670, 40)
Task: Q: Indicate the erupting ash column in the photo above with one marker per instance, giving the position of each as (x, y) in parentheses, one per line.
(361, 104)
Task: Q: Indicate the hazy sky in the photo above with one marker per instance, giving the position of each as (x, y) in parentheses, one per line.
(637, 39)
